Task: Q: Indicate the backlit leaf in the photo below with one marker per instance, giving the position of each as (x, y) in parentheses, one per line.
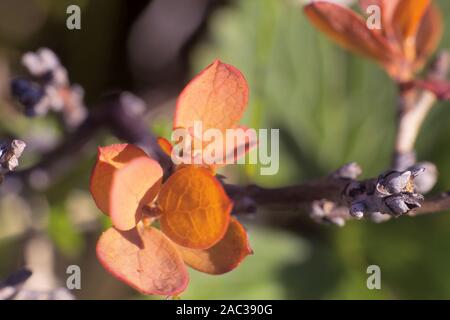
(428, 35)
(165, 146)
(222, 257)
(109, 159)
(134, 186)
(217, 96)
(408, 16)
(387, 13)
(349, 30)
(243, 142)
(196, 209)
(407, 19)
(145, 259)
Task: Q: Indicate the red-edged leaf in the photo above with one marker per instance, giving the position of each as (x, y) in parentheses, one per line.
(349, 30)
(223, 257)
(195, 208)
(109, 160)
(408, 16)
(241, 141)
(217, 97)
(165, 146)
(407, 19)
(134, 186)
(388, 8)
(145, 259)
(429, 35)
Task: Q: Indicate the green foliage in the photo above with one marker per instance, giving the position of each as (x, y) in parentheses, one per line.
(258, 276)
(64, 234)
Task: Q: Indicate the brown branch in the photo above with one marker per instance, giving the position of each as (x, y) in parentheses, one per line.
(112, 114)
(336, 197)
(434, 204)
(247, 199)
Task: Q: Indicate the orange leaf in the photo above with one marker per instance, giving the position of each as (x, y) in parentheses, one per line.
(109, 159)
(428, 35)
(134, 186)
(349, 30)
(244, 142)
(165, 146)
(387, 12)
(222, 257)
(387, 7)
(144, 259)
(196, 209)
(217, 96)
(408, 16)
(407, 19)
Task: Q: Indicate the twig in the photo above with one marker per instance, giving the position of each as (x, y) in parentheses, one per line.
(413, 107)
(434, 204)
(334, 198)
(113, 113)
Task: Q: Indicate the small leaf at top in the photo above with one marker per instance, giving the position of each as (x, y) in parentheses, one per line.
(217, 97)
(387, 12)
(407, 19)
(349, 30)
(429, 35)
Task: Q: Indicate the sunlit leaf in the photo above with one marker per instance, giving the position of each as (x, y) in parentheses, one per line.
(196, 209)
(165, 146)
(109, 159)
(428, 35)
(133, 187)
(217, 96)
(407, 19)
(349, 30)
(387, 12)
(232, 150)
(408, 16)
(222, 257)
(144, 259)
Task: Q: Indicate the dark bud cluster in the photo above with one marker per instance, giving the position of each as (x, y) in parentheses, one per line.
(27, 93)
(48, 89)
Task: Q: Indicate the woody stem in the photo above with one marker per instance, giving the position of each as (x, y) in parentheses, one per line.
(413, 107)
(410, 120)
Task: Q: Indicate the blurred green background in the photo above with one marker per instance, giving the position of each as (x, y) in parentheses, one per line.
(331, 108)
